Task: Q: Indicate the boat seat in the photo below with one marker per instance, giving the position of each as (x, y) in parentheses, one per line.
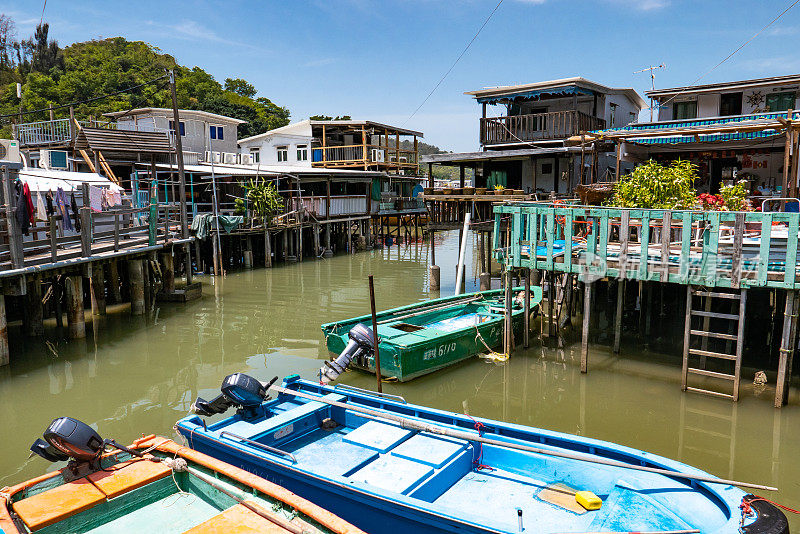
(127, 476)
(434, 451)
(238, 519)
(392, 473)
(286, 423)
(57, 504)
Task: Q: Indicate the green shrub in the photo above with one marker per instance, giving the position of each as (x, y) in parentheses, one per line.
(656, 186)
(735, 196)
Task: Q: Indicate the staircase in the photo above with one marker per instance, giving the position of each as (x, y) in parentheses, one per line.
(699, 306)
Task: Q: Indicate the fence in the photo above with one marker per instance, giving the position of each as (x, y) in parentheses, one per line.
(715, 249)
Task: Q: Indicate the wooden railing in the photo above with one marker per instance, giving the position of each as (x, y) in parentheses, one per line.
(537, 126)
(354, 155)
(714, 249)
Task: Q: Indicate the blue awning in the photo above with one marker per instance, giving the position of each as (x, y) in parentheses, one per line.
(553, 91)
(713, 138)
(699, 123)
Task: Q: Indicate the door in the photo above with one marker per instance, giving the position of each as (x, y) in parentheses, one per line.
(545, 175)
(722, 169)
(730, 104)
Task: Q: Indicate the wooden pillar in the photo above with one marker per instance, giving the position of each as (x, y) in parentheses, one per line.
(187, 263)
(787, 152)
(368, 233)
(75, 320)
(587, 308)
(114, 293)
(787, 349)
(136, 286)
(267, 249)
(364, 147)
(148, 285)
(489, 254)
(508, 327)
(461, 176)
(349, 236)
(430, 175)
(34, 311)
(619, 150)
(97, 289)
(285, 244)
(527, 307)
(315, 229)
(167, 272)
(328, 251)
(618, 316)
(5, 355)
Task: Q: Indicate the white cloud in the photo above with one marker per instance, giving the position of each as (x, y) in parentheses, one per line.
(638, 5)
(194, 31)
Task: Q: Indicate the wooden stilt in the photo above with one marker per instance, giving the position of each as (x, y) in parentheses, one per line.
(187, 263)
(587, 307)
(551, 302)
(5, 354)
(75, 318)
(167, 272)
(507, 324)
(112, 275)
(98, 290)
(618, 316)
(687, 331)
(58, 296)
(136, 286)
(787, 349)
(527, 318)
(34, 311)
(267, 249)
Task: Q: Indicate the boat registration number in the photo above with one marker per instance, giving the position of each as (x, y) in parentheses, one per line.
(441, 350)
(285, 431)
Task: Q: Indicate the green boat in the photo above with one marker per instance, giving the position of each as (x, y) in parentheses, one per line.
(427, 336)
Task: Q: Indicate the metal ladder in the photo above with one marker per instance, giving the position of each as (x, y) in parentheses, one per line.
(706, 298)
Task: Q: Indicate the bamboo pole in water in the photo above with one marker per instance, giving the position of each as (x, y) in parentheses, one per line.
(469, 436)
(375, 334)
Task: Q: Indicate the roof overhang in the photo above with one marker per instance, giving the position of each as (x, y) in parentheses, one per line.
(182, 113)
(725, 86)
(562, 87)
(368, 124)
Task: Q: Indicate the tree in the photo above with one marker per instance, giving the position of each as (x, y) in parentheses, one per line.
(8, 34)
(240, 87)
(329, 118)
(46, 54)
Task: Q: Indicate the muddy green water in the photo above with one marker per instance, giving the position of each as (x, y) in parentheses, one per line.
(134, 378)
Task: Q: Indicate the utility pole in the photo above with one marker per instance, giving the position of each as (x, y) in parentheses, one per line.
(652, 70)
(179, 153)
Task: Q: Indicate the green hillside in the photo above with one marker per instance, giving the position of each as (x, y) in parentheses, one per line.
(81, 71)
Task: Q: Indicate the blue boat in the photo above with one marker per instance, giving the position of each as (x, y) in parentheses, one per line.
(389, 466)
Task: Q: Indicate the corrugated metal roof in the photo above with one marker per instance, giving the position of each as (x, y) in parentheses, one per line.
(123, 141)
(577, 81)
(712, 138)
(725, 86)
(182, 113)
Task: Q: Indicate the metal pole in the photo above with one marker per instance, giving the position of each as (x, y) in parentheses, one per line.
(218, 258)
(375, 333)
(179, 156)
(462, 251)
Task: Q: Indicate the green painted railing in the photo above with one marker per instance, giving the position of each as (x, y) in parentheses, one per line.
(722, 249)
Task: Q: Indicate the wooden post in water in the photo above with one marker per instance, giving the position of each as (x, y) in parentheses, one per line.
(375, 334)
(98, 290)
(787, 349)
(75, 320)
(114, 292)
(527, 318)
(267, 249)
(34, 312)
(508, 327)
(618, 316)
(328, 251)
(136, 286)
(5, 354)
(167, 272)
(315, 229)
(587, 308)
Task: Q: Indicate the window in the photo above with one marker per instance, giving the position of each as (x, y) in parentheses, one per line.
(216, 132)
(255, 153)
(283, 153)
(781, 101)
(685, 110)
(730, 104)
(302, 153)
(182, 126)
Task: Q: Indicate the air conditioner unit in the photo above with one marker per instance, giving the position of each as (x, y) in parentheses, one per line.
(378, 155)
(230, 158)
(9, 150)
(246, 159)
(208, 155)
(53, 159)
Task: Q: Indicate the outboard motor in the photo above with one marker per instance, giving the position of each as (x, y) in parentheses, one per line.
(67, 438)
(360, 346)
(240, 390)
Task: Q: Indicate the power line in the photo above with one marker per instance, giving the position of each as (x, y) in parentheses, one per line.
(747, 42)
(41, 19)
(88, 100)
(435, 87)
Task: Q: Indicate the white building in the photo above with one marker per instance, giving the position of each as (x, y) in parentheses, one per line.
(287, 145)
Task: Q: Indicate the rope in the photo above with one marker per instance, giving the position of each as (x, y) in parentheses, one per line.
(479, 465)
(747, 509)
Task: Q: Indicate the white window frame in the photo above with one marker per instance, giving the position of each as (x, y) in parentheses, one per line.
(214, 133)
(255, 153)
(302, 152)
(283, 153)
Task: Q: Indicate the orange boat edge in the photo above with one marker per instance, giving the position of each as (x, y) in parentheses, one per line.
(136, 494)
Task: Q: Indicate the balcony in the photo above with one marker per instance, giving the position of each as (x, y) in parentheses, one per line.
(361, 156)
(537, 127)
(58, 133)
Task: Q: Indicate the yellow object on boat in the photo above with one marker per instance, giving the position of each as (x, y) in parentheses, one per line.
(588, 500)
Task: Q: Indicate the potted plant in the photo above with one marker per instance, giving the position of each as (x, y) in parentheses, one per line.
(427, 190)
(480, 190)
(499, 190)
(468, 191)
(518, 192)
(447, 190)
(458, 190)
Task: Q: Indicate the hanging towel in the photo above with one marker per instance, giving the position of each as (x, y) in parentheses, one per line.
(48, 198)
(21, 212)
(41, 212)
(111, 198)
(61, 208)
(95, 198)
(74, 205)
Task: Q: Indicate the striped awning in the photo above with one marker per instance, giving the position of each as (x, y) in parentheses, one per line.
(552, 91)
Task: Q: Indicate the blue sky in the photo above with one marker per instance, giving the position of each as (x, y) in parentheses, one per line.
(379, 59)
